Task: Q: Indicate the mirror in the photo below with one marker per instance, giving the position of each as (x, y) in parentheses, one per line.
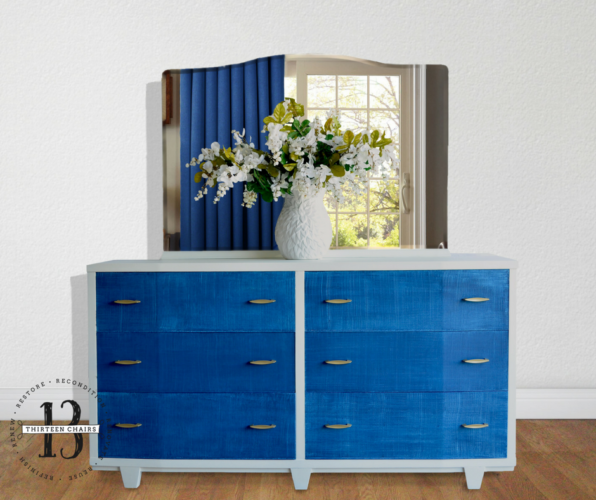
(408, 103)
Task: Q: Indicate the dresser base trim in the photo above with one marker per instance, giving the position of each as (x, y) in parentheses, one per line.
(454, 465)
(131, 476)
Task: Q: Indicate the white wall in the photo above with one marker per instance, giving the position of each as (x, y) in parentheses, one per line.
(75, 189)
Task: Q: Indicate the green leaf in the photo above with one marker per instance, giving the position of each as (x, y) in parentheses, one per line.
(289, 166)
(273, 172)
(348, 137)
(295, 108)
(198, 177)
(327, 126)
(267, 196)
(279, 112)
(334, 159)
(295, 156)
(338, 170)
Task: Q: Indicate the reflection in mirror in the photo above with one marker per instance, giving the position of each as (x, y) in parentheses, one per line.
(407, 102)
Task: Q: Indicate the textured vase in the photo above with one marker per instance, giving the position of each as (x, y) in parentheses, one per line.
(303, 229)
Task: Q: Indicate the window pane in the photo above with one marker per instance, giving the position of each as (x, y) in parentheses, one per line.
(384, 92)
(290, 87)
(379, 203)
(356, 121)
(352, 231)
(321, 91)
(384, 231)
(386, 121)
(333, 218)
(384, 196)
(351, 91)
(321, 113)
(352, 201)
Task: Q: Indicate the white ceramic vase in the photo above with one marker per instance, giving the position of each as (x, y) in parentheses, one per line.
(303, 230)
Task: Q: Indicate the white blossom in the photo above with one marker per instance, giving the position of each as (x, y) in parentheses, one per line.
(309, 176)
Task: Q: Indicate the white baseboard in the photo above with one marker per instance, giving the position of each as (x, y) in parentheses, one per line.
(556, 404)
(531, 403)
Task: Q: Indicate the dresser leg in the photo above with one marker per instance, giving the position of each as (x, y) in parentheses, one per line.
(131, 476)
(474, 477)
(301, 478)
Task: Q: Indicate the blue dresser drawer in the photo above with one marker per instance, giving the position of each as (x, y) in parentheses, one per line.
(195, 362)
(406, 425)
(406, 361)
(196, 302)
(407, 301)
(197, 426)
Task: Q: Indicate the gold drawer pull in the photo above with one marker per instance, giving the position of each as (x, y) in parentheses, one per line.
(338, 426)
(261, 301)
(127, 362)
(128, 426)
(339, 362)
(475, 426)
(262, 362)
(262, 427)
(477, 299)
(127, 302)
(338, 301)
(476, 361)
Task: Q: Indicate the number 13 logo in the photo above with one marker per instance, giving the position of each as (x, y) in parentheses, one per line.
(47, 438)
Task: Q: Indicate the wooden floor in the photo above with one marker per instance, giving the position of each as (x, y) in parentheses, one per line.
(556, 459)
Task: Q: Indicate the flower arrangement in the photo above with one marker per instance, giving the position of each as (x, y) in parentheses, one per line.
(304, 158)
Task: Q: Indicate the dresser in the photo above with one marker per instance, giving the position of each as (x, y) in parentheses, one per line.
(372, 361)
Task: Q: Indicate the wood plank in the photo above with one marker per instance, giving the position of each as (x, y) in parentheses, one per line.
(342, 486)
(390, 487)
(519, 486)
(549, 479)
(21, 482)
(366, 486)
(188, 486)
(578, 468)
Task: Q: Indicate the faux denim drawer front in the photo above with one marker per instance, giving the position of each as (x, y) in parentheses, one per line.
(197, 426)
(196, 302)
(407, 301)
(406, 425)
(187, 362)
(406, 361)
